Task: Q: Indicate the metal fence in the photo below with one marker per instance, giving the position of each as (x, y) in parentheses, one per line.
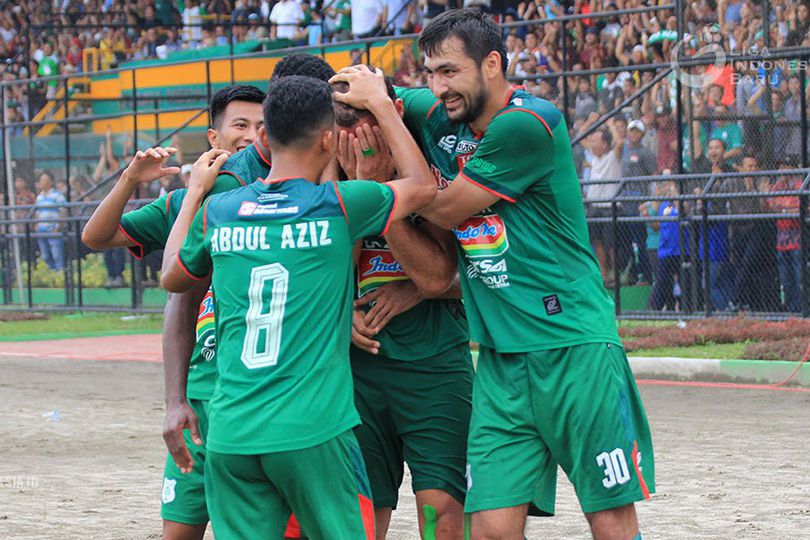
(703, 105)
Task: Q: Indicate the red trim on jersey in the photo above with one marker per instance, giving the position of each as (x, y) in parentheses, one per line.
(393, 208)
(205, 217)
(485, 188)
(136, 250)
(277, 180)
(509, 96)
(433, 108)
(186, 270)
(340, 200)
(644, 489)
(533, 114)
(367, 513)
(293, 528)
(260, 149)
(168, 198)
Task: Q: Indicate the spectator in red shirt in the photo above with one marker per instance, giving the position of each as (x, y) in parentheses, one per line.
(788, 254)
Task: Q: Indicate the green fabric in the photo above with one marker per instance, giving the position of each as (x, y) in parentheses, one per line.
(528, 274)
(416, 412)
(48, 67)
(731, 135)
(149, 227)
(523, 426)
(325, 485)
(183, 497)
(281, 254)
(430, 327)
(344, 22)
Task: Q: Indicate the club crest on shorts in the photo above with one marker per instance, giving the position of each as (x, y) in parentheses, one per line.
(168, 490)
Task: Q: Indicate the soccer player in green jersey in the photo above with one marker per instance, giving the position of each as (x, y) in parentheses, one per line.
(189, 358)
(553, 385)
(411, 364)
(280, 249)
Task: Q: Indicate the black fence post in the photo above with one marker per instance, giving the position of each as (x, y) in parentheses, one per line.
(804, 237)
(803, 101)
(77, 240)
(66, 251)
(28, 253)
(705, 267)
(617, 279)
(564, 49)
(208, 89)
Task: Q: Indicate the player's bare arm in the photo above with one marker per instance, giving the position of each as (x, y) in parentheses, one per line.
(102, 231)
(457, 202)
(416, 187)
(180, 321)
(203, 175)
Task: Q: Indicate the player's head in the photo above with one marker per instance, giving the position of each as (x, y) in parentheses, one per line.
(465, 56)
(299, 117)
(305, 65)
(236, 116)
(349, 118)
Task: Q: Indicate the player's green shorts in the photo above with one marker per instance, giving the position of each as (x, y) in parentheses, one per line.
(414, 411)
(577, 407)
(184, 494)
(252, 496)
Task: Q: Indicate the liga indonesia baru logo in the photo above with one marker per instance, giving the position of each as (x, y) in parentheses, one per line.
(711, 72)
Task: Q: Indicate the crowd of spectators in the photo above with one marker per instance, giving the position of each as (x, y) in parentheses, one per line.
(744, 115)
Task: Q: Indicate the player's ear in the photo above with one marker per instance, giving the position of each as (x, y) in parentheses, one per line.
(329, 141)
(400, 107)
(492, 65)
(213, 137)
(261, 134)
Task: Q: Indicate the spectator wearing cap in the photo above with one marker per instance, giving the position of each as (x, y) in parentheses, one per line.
(728, 132)
(637, 160)
(788, 243)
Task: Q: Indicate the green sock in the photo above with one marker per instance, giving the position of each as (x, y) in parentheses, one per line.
(429, 514)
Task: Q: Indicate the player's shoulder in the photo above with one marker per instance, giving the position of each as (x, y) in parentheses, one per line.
(244, 164)
(525, 114)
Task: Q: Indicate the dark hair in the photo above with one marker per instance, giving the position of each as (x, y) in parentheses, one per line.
(607, 138)
(477, 31)
(295, 109)
(305, 65)
(225, 96)
(347, 116)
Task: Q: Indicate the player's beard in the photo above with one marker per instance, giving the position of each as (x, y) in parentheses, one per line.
(473, 104)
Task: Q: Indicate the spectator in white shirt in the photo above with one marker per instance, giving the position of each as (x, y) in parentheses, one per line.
(286, 18)
(367, 17)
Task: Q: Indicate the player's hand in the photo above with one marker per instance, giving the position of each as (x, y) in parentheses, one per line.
(205, 170)
(362, 335)
(180, 417)
(371, 152)
(389, 301)
(345, 155)
(366, 87)
(148, 165)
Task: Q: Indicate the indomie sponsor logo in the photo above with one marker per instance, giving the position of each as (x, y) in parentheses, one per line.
(379, 266)
(483, 236)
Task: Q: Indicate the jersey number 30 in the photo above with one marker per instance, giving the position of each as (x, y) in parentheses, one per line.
(263, 336)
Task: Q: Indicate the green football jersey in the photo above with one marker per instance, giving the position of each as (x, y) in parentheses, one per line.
(529, 278)
(148, 228)
(281, 254)
(425, 330)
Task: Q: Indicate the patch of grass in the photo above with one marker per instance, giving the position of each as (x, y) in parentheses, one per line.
(644, 323)
(722, 351)
(62, 326)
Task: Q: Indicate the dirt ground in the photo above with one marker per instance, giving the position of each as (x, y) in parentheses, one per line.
(729, 463)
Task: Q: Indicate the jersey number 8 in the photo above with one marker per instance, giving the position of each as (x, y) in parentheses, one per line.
(263, 335)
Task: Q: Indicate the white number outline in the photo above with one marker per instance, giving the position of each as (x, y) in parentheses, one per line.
(271, 322)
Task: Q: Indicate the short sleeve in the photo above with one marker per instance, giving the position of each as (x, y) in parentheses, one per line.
(194, 256)
(148, 227)
(368, 206)
(227, 181)
(516, 151)
(418, 104)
